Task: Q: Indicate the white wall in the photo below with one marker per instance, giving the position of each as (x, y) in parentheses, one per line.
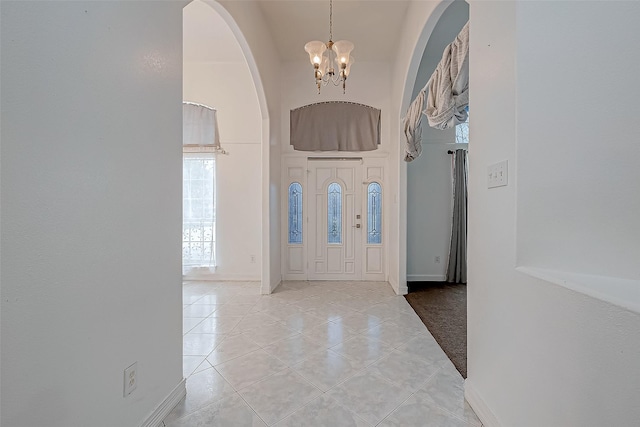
(226, 84)
(228, 87)
(91, 171)
(538, 353)
(256, 41)
(429, 179)
(580, 214)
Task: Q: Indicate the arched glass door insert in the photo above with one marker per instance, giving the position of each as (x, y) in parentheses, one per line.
(334, 213)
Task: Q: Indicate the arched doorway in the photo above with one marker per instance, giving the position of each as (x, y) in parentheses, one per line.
(219, 71)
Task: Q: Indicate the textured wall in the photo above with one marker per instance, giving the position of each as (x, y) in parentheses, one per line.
(91, 190)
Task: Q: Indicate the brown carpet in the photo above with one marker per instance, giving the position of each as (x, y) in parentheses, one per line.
(443, 309)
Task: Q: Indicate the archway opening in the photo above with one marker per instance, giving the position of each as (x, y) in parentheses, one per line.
(219, 72)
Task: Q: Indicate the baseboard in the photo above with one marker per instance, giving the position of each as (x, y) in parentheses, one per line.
(479, 406)
(426, 278)
(213, 277)
(270, 291)
(394, 285)
(167, 405)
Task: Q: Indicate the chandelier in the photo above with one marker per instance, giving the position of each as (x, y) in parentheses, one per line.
(325, 56)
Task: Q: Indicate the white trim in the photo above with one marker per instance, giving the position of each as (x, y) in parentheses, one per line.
(478, 405)
(404, 290)
(164, 409)
(377, 154)
(294, 276)
(226, 277)
(273, 289)
(396, 287)
(426, 278)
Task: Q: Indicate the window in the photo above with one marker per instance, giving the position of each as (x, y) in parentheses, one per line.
(334, 213)
(198, 211)
(462, 131)
(374, 213)
(295, 213)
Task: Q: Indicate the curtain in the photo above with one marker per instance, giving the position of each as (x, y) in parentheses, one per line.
(199, 126)
(335, 126)
(201, 142)
(413, 129)
(457, 268)
(448, 92)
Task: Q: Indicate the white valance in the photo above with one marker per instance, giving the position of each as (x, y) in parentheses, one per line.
(199, 126)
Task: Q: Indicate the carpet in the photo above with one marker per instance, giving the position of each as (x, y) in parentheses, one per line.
(443, 309)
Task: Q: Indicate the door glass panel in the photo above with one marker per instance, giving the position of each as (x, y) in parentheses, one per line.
(295, 213)
(374, 213)
(334, 213)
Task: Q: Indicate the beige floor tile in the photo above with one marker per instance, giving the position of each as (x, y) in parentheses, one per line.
(313, 354)
(279, 395)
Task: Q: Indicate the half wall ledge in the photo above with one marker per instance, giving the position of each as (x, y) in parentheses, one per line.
(624, 293)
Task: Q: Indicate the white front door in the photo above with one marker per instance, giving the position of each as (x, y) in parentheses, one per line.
(335, 220)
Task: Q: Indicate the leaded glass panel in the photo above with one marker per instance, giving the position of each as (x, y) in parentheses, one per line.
(374, 213)
(334, 213)
(295, 213)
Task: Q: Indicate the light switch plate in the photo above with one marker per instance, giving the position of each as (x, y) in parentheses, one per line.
(497, 175)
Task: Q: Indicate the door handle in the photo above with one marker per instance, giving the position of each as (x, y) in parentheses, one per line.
(356, 226)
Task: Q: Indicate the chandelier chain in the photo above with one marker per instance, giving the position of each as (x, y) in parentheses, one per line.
(331, 20)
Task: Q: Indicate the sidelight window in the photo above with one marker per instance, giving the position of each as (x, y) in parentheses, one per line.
(295, 213)
(374, 213)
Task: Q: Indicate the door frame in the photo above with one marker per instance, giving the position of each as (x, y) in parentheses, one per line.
(316, 218)
(295, 168)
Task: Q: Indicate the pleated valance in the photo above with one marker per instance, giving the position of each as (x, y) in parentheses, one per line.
(335, 126)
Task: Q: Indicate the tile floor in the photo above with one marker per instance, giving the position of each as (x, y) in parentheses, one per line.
(313, 354)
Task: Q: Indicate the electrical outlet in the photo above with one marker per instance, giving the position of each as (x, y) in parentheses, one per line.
(130, 379)
(497, 175)
(253, 259)
(437, 260)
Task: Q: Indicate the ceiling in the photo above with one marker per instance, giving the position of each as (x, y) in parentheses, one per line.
(374, 26)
